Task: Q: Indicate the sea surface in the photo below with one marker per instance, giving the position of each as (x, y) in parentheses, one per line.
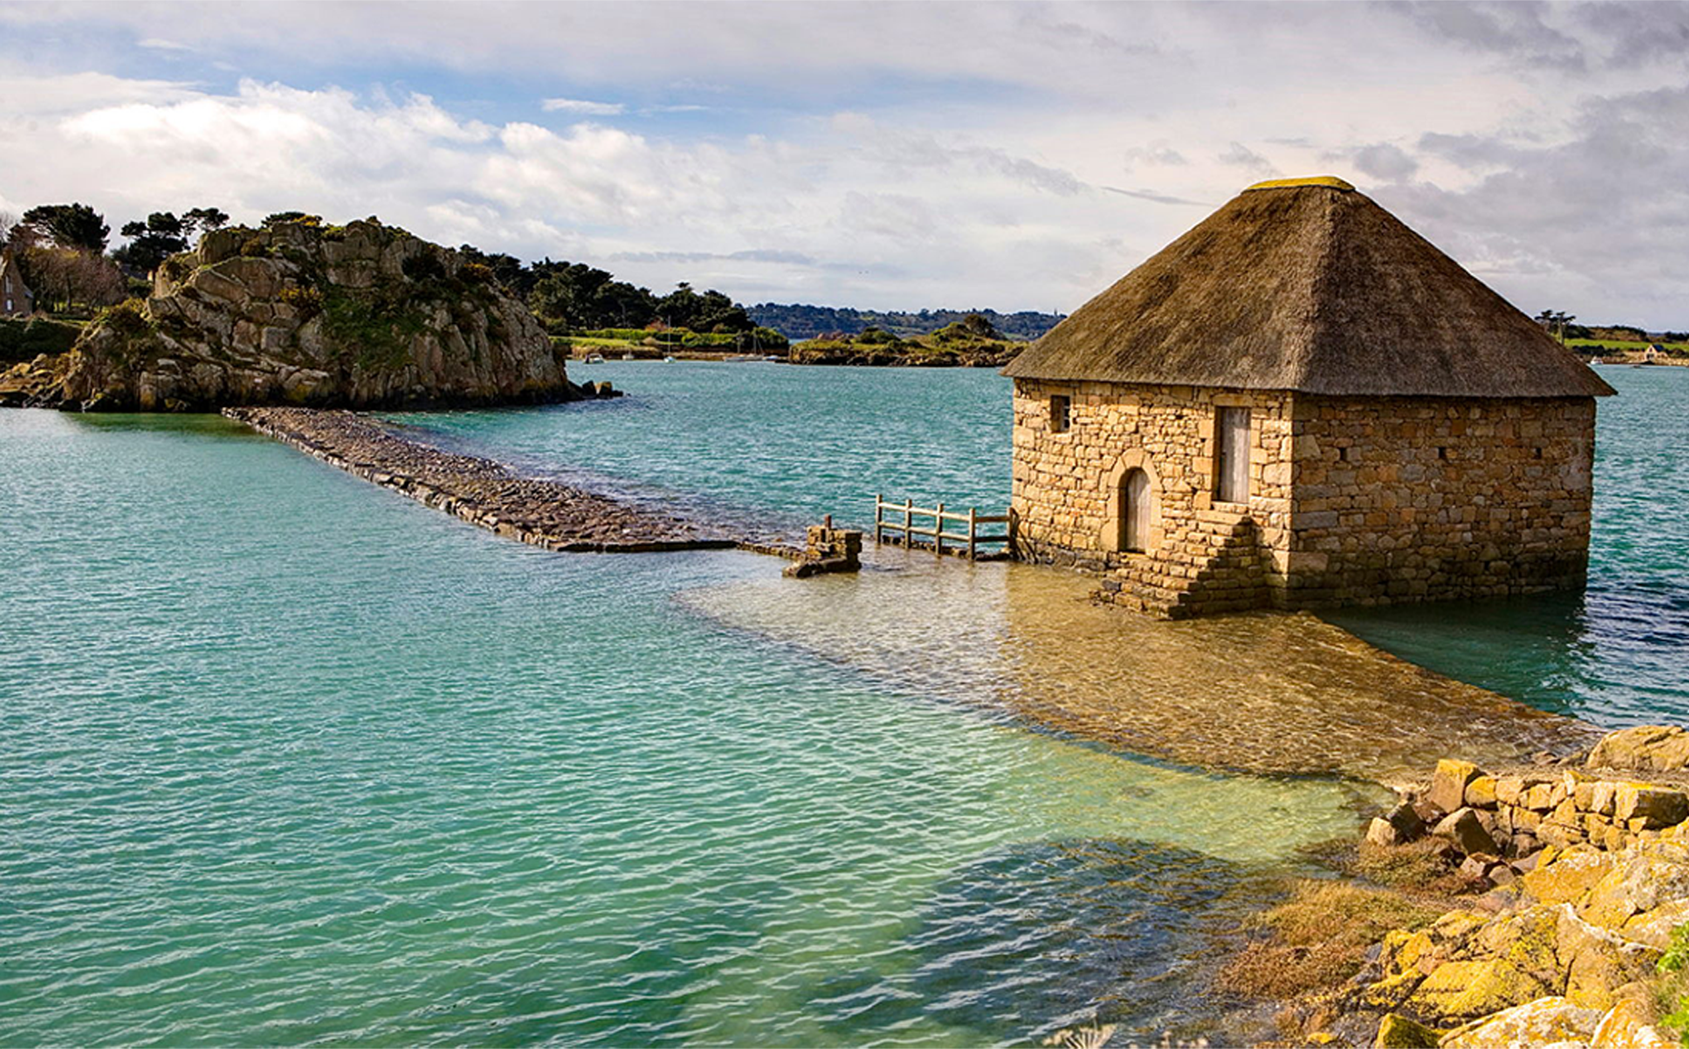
(287, 758)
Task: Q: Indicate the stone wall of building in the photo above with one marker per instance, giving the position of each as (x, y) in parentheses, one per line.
(1416, 499)
(1200, 555)
(1365, 501)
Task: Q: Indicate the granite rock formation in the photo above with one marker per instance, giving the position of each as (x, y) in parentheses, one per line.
(299, 313)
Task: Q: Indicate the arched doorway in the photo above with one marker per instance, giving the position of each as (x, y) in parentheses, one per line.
(1135, 505)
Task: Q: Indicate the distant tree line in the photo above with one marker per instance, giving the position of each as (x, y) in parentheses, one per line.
(810, 322)
(1561, 325)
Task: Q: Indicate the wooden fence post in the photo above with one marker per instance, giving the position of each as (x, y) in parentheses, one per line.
(938, 531)
(908, 520)
(879, 530)
(973, 529)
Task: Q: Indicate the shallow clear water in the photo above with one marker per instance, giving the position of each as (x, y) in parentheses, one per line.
(288, 758)
(1617, 654)
(807, 441)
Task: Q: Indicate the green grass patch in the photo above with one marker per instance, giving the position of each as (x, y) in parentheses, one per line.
(374, 333)
(1676, 349)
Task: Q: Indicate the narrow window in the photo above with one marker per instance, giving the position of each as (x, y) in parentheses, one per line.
(1134, 511)
(1231, 455)
(1060, 413)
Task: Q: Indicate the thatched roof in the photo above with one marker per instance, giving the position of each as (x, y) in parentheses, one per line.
(1307, 285)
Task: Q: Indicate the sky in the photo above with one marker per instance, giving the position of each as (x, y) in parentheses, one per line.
(885, 156)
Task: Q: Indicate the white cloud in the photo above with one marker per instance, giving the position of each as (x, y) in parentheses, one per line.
(1027, 162)
(582, 107)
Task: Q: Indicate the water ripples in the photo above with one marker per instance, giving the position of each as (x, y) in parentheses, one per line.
(290, 759)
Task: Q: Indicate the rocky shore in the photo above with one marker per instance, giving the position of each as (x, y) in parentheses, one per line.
(1569, 927)
(297, 312)
(540, 512)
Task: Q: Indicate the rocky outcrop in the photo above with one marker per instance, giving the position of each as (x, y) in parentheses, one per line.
(1588, 871)
(1569, 923)
(298, 313)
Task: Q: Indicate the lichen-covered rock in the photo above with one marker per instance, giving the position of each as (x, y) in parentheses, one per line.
(1646, 748)
(1629, 1024)
(1546, 1021)
(1399, 1032)
(1480, 793)
(1656, 807)
(1567, 876)
(1448, 784)
(1463, 990)
(297, 313)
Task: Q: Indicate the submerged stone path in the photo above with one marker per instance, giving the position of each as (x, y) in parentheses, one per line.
(543, 513)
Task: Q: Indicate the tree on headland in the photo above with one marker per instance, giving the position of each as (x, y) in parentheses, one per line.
(75, 226)
(275, 217)
(508, 270)
(206, 219)
(163, 235)
(1556, 321)
(151, 242)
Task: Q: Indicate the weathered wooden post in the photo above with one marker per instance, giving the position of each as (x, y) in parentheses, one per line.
(938, 531)
(908, 520)
(879, 527)
(973, 529)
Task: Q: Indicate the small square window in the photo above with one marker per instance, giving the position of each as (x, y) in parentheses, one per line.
(1061, 413)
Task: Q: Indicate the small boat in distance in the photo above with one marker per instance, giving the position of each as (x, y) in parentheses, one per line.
(597, 358)
(627, 357)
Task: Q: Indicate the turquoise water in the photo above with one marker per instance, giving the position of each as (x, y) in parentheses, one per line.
(765, 442)
(288, 758)
(713, 434)
(1617, 654)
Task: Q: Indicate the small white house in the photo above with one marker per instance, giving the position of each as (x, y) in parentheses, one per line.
(16, 300)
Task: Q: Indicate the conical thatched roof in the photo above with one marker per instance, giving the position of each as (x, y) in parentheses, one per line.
(1306, 284)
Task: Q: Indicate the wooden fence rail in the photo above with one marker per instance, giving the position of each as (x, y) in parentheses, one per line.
(901, 519)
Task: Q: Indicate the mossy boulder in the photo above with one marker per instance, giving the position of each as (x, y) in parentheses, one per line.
(363, 315)
(1646, 748)
(1567, 877)
(1399, 1032)
(1550, 1020)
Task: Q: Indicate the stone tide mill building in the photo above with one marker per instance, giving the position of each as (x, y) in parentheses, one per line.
(1302, 403)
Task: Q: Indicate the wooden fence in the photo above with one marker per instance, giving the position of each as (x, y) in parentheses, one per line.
(907, 521)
